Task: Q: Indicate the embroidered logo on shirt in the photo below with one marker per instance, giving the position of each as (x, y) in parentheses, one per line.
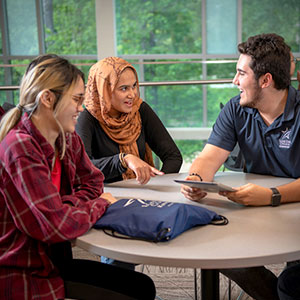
(284, 141)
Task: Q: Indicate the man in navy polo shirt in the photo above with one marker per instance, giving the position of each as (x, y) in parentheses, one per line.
(264, 119)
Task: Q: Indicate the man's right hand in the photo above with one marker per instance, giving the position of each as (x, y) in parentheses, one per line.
(191, 193)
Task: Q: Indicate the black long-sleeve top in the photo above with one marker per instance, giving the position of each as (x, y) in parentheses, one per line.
(104, 152)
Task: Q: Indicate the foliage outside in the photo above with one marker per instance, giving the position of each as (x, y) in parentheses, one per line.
(164, 27)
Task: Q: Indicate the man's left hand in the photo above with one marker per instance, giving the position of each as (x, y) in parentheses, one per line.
(250, 195)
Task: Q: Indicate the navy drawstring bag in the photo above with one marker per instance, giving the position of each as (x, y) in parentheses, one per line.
(155, 221)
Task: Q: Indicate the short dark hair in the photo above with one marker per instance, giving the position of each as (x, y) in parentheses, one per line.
(269, 54)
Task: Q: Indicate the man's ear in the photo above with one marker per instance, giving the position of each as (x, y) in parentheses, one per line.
(47, 98)
(266, 80)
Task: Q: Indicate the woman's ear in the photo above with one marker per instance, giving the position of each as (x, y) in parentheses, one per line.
(47, 98)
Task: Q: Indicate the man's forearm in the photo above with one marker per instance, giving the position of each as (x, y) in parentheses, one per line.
(204, 168)
(290, 192)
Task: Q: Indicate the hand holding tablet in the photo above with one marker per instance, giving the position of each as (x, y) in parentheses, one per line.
(212, 187)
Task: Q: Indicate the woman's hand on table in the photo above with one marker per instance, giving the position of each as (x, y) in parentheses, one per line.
(142, 170)
(109, 197)
(250, 195)
(192, 193)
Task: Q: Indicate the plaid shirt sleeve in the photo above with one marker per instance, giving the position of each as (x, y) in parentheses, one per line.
(87, 179)
(36, 206)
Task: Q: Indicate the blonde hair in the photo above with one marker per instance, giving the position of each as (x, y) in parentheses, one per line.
(46, 72)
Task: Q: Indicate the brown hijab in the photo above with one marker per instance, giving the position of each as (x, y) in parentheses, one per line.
(125, 130)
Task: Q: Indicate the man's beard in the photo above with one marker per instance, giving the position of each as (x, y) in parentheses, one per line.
(257, 97)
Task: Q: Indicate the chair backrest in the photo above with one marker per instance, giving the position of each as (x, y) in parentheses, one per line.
(2, 112)
(7, 106)
(235, 160)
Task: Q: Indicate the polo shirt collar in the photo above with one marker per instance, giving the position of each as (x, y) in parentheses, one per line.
(252, 111)
(291, 102)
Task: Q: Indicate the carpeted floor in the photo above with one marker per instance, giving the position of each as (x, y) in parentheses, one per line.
(178, 283)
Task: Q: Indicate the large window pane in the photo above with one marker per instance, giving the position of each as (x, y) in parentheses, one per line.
(12, 75)
(190, 148)
(83, 65)
(1, 50)
(221, 21)
(70, 26)
(158, 27)
(22, 27)
(281, 17)
(2, 97)
(218, 94)
(221, 69)
(17, 74)
(177, 106)
(2, 82)
(18, 70)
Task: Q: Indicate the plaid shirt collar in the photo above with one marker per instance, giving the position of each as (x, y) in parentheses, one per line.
(46, 148)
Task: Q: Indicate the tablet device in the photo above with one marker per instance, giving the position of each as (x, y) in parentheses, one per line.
(213, 187)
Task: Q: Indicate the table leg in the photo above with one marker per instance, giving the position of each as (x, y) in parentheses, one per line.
(210, 284)
(195, 284)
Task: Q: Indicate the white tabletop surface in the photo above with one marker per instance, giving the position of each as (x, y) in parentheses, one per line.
(254, 236)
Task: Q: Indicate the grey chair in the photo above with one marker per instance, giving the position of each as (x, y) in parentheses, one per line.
(5, 108)
(235, 160)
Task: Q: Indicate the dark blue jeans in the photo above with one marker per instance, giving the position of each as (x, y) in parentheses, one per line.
(117, 263)
(289, 283)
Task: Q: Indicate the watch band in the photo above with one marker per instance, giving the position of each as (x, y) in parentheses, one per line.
(276, 197)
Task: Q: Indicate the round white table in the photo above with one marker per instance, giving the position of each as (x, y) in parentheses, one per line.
(254, 236)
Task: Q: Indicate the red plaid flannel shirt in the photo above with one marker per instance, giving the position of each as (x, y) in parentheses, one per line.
(34, 214)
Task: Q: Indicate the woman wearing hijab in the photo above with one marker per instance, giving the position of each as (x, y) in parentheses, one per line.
(119, 130)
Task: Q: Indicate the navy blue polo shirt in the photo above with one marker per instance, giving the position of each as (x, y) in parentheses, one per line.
(272, 150)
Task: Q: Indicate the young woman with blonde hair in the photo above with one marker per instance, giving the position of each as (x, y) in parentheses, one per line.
(50, 193)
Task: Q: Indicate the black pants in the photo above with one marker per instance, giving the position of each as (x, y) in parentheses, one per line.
(89, 280)
(258, 282)
(289, 283)
(92, 280)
